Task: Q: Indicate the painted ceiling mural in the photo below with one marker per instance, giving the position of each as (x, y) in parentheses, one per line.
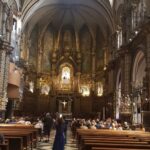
(86, 48)
(99, 51)
(48, 46)
(33, 47)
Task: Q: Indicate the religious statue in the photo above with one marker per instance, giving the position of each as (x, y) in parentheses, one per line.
(31, 86)
(66, 75)
(64, 103)
(45, 89)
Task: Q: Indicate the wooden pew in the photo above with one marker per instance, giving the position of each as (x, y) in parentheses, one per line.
(113, 139)
(104, 148)
(4, 146)
(20, 138)
(110, 133)
(88, 146)
(33, 134)
(15, 131)
(105, 141)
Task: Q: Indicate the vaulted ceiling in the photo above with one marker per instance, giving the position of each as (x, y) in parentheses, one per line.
(73, 12)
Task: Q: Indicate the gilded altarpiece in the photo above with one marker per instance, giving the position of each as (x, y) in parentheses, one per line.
(67, 60)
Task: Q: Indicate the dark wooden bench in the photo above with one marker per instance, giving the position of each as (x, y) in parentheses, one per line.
(4, 146)
(24, 136)
(88, 146)
(108, 139)
(19, 138)
(32, 140)
(104, 148)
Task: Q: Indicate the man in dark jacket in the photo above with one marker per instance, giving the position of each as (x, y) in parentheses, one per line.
(48, 123)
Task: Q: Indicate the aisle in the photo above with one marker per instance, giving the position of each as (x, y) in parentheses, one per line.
(71, 145)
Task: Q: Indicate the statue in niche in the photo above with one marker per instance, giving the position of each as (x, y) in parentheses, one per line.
(67, 40)
(66, 75)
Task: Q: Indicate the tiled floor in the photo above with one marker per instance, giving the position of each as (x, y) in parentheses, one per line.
(71, 143)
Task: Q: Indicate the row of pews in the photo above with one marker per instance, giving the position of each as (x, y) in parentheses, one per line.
(18, 137)
(103, 139)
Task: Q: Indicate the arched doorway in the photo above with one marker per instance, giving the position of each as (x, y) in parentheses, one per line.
(138, 75)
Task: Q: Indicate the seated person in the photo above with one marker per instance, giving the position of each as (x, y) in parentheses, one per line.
(21, 121)
(119, 127)
(83, 126)
(93, 126)
(1, 138)
(126, 126)
(39, 126)
(7, 121)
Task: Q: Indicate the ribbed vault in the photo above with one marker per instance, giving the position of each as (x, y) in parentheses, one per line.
(73, 12)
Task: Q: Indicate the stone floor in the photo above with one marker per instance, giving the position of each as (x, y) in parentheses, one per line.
(70, 145)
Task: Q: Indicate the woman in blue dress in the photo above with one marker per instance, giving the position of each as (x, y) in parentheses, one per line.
(59, 141)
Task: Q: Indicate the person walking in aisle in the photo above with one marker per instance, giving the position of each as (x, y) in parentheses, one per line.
(59, 141)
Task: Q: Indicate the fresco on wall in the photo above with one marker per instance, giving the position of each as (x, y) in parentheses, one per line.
(48, 45)
(33, 46)
(67, 40)
(86, 47)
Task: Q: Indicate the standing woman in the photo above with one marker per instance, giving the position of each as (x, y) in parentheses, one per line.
(59, 141)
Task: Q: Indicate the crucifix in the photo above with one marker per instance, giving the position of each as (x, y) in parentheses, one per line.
(64, 103)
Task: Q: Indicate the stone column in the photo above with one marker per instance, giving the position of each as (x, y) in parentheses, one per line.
(54, 60)
(146, 104)
(78, 74)
(4, 68)
(39, 59)
(125, 80)
(127, 68)
(77, 41)
(79, 57)
(93, 64)
(148, 61)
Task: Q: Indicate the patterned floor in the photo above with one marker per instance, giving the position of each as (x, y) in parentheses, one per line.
(71, 143)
